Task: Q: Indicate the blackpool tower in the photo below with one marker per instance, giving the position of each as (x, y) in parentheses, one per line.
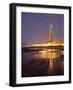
(50, 33)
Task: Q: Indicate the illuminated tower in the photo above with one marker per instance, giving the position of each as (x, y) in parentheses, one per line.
(50, 33)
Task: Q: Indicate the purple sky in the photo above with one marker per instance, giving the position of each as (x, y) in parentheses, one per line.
(35, 26)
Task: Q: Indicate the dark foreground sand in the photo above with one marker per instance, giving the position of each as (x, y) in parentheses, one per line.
(42, 67)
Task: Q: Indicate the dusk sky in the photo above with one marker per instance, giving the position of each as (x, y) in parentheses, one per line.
(35, 27)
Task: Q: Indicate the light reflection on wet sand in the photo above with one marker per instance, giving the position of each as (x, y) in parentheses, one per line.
(42, 63)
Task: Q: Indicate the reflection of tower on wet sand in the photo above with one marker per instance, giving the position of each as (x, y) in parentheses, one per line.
(50, 57)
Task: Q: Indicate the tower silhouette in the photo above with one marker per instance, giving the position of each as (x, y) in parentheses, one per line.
(50, 33)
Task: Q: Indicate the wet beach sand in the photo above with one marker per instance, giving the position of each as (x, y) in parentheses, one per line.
(41, 66)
